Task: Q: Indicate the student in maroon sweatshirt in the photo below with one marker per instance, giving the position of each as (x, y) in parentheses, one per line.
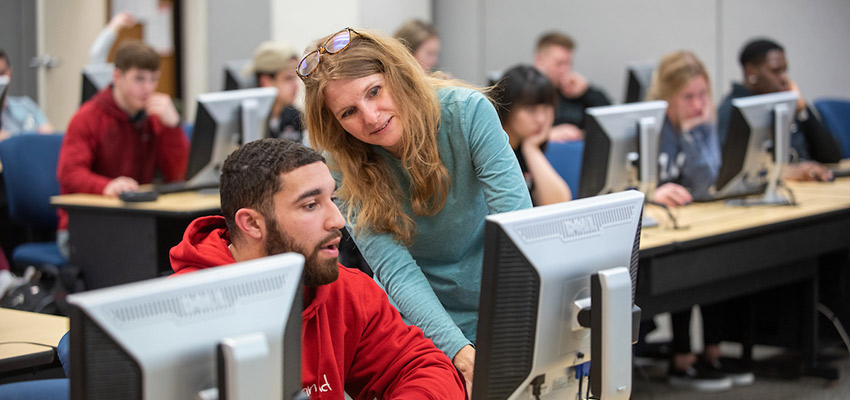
(123, 135)
(278, 196)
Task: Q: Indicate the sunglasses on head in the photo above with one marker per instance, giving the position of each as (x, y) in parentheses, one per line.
(335, 44)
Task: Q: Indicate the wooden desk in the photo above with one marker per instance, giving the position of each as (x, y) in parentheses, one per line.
(41, 331)
(114, 242)
(727, 252)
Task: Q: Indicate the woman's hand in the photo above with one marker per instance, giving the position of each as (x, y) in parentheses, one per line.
(706, 115)
(464, 361)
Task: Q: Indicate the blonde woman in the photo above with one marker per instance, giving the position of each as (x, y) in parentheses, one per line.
(690, 159)
(420, 162)
(690, 150)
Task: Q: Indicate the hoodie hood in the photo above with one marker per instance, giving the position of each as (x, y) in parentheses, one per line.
(739, 90)
(204, 245)
(105, 101)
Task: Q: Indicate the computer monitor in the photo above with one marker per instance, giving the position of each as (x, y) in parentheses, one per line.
(638, 79)
(234, 330)
(549, 273)
(621, 148)
(757, 148)
(223, 122)
(4, 84)
(95, 78)
(233, 77)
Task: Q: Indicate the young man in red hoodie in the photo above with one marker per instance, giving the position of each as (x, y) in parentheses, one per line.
(278, 196)
(123, 135)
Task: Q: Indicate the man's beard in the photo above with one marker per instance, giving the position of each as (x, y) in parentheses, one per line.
(316, 272)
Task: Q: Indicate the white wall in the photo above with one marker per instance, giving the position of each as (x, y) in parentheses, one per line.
(300, 23)
(484, 35)
(612, 33)
(815, 34)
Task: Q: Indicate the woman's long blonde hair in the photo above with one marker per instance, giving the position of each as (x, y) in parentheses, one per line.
(368, 184)
(673, 73)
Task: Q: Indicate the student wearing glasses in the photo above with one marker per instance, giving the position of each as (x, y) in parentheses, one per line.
(420, 162)
(526, 105)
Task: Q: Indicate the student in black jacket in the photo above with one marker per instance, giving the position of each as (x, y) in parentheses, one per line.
(766, 71)
(554, 58)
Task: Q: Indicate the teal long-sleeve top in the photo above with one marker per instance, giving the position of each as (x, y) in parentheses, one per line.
(436, 282)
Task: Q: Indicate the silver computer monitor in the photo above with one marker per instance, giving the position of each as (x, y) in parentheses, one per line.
(557, 291)
(223, 122)
(96, 77)
(4, 85)
(638, 80)
(234, 78)
(621, 148)
(233, 331)
(757, 148)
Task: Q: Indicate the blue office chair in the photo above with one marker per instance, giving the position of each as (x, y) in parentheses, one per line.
(188, 128)
(29, 170)
(566, 158)
(836, 116)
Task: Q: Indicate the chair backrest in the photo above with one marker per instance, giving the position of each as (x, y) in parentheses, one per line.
(29, 170)
(566, 158)
(836, 116)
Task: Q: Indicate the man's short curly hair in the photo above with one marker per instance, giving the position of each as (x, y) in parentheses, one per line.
(250, 176)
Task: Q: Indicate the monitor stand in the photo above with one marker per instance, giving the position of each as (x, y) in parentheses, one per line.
(781, 149)
(648, 222)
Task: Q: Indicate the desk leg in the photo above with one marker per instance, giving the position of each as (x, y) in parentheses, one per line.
(810, 335)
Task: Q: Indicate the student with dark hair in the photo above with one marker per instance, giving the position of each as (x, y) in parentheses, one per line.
(19, 114)
(278, 196)
(123, 136)
(765, 71)
(554, 57)
(526, 105)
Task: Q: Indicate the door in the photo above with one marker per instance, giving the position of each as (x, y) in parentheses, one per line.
(67, 30)
(18, 41)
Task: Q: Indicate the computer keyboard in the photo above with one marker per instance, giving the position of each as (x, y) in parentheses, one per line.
(177, 187)
(840, 172)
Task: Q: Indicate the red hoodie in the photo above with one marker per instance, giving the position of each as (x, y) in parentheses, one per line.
(352, 339)
(102, 144)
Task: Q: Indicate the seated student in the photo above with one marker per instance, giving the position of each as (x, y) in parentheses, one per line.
(274, 66)
(278, 196)
(123, 136)
(766, 71)
(526, 102)
(689, 151)
(554, 57)
(690, 157)
(19, 113)
(423, 41)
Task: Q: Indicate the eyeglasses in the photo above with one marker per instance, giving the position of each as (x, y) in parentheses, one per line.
(335, 44)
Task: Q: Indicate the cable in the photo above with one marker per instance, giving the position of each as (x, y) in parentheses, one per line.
(669, 214)
(32, 343)
(835, 322)
(536, 384)
(580, 381)
(792, 200)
